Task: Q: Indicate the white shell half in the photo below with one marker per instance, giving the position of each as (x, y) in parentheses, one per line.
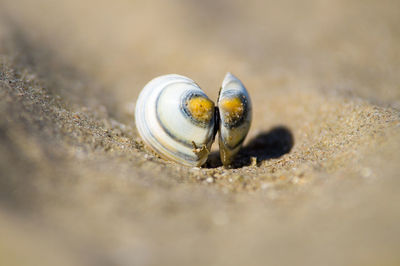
(235, 112)
(164, 125)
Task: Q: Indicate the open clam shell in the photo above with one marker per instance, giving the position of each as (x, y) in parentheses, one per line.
(176, 119)
(235, 114)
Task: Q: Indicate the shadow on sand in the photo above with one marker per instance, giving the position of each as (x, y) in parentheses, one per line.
(266, 145)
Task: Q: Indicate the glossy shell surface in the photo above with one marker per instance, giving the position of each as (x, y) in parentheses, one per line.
(235, 114)
(176, 119)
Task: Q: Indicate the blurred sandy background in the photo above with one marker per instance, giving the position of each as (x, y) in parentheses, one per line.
(77, 187)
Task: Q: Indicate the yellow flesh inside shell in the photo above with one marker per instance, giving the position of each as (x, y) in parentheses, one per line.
(201, 109)
(233, 109)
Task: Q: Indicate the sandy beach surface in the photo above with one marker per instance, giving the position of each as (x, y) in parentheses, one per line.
(316, 183)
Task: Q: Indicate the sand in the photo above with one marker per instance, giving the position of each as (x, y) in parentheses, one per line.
(316, 182)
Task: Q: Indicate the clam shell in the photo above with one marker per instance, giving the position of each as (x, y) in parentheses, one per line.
(169, 126)
(235, 114)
